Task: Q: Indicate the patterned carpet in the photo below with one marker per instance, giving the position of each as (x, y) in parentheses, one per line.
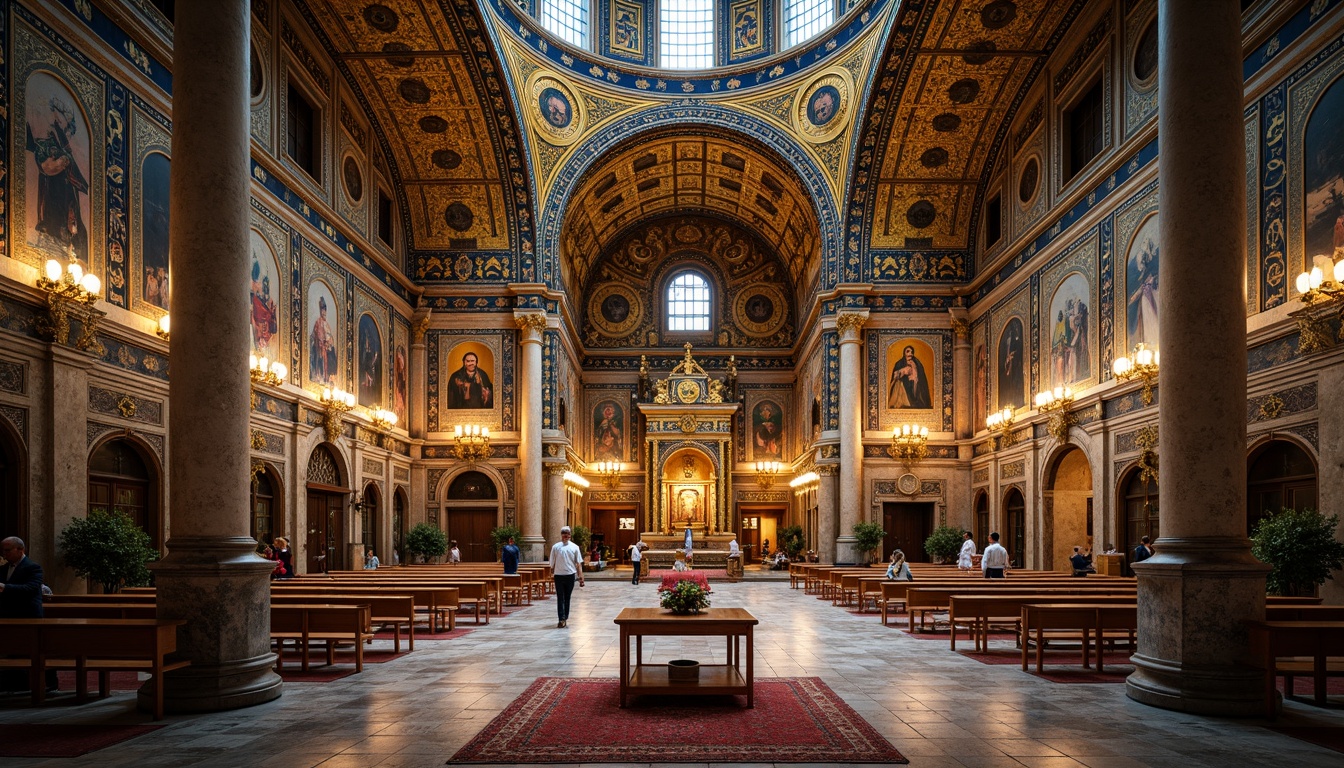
(46, 740)
(578, 720)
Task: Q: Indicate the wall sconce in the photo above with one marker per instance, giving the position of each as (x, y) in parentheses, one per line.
(909, 443)
(71, 292)
(804, 483)
(382, 418)
(337, 402)
(766, 472)
(473, 442)
(1002, 422)
(610, 472)
(272, 372)
(576, 482)
(1056, 402)
(1140, 364)
(1322, 286)
(161, 328)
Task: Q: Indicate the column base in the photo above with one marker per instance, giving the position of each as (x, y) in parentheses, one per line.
(846, 551)
(1195, 597)
(221, 588)
(534, 550)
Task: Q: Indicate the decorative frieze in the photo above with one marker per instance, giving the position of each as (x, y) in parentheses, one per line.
(980, 476)
(373, 467)
(763, 496)
(17, 417)
(401, 474)
(1080, 56)
(12, 377)
(613, 495)
(126, 406)
(270, 443)
(435, 475)
(1016, 468)
(1277, 404)
(301, 54)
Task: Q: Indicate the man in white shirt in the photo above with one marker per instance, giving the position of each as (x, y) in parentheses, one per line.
(566, 565)
(733, 549)
(454, 554)
(636, 555)
(995, 560)
(966, 559)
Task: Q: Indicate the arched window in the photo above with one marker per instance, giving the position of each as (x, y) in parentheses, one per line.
(688, 303)
(805, 19)
(567, 19)
(686, 34)
(263, 508)
(1280, 475)
(120, 480)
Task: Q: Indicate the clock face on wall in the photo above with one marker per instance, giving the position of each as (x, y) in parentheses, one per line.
(688, 391)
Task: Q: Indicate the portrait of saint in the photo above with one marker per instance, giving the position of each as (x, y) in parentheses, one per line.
(909, 387)
(323, 335)
(1070, 350)
(1323, 178)
(767, 430)
(57, 183)
(746, 26)
(469, 386)
(823, 105)
(154, 229)
(615, 308)
(1012, 381)
(759, 308)
(555, 107)
(399, 381)
(370, 363)
(1141, 285)
(609, 431)
(687, 509)
(981, 357)
(265, 286)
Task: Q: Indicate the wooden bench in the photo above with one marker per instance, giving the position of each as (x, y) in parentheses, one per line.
(91, 645)
(978, 612)
(1082, 620)
(437, 603)
(1317, 645)
(331, 624)
(384, 610)
(103, 610)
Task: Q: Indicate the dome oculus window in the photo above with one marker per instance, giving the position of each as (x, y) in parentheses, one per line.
(805, 19)
(566, 19)
(686, 34)
(688, 303)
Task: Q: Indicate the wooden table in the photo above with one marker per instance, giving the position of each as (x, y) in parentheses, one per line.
(732, 623)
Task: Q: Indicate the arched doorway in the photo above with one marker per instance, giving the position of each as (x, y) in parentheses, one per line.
(267, 505)
(13, 485)
(399, 505)
(471, 512)
(1279, 474)
(370, 512)
(1138, 512)
(982, 528)
(1068, 509)
(123, 478)
(326, 512)
(1014, 535)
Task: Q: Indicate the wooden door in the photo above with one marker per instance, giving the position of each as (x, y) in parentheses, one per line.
(470, 528)
(326, 551)
(608, 523)
(907, 525)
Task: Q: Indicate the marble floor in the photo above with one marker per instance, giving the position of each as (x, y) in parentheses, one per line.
(938, 708)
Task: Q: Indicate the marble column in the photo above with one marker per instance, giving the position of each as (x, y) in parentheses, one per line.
(850, 327)
(212, 577)
(419, 374)
(531, 329)
(963, 381)
(555, 505)
(1198, 591)
(827, 524)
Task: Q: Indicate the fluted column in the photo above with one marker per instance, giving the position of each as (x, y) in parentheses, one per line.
(212, 577)
(850, 327)
(827, 523)
(963, 384)
(1198, 591)
(532, 329)
(419, 373)
(555, 503)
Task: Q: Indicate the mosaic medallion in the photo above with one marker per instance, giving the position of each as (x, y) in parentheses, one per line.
(555, 112)
(615, 310)
(822, 109)
(760, 310)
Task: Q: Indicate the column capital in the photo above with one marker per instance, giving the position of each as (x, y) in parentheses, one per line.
(532, 325)
(961, 323)
(420, 326)
(849, 324)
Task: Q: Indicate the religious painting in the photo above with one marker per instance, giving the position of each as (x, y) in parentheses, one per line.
(609, 431)
(746, 21)
(471, 384)
(767, 431)
(1010, 366)
(981, 394)
(823, 105)
(1069, 332)
(57, 188)
(688, 507)
(910, 384)
(154, 229)
(627, 24)
(370, 363)
(400, 371)
(1323, 177)
(264, 307)
(324, 335)
(555, 107)
(1141, 285)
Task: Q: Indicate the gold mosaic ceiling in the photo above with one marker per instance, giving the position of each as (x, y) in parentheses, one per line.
(684, 174)
(964, 78)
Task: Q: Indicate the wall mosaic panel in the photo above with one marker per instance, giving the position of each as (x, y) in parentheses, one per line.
(913, 387)
(1011, 469)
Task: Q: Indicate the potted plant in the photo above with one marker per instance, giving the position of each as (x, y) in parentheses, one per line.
(1300, 547)
(791, 539)
(944, 544)
(580, 535)
(426, 542)
(501, 535)
(868, 539)
(109, 548)
(684, 598)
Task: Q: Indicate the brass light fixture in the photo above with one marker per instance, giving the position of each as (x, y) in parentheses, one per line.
(382, 418)
(609, 472)
(161, 327)
(575, 482)
(1002, 423)
(473, 442)
(337, 402)
(273, 373)
(1057, 402)
(766, 472)
(909, 443)
(1322, 288)
(71, 294)
(805, 482)
(1139, 364)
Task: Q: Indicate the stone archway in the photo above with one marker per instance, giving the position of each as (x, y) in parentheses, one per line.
(1067, 508)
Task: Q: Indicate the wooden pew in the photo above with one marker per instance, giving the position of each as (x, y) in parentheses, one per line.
(1321, 642)
(438, 602)
(923, 598)
(103, 610)
(332, 624)
(384, 610)
(1086, 619)
(978, 611)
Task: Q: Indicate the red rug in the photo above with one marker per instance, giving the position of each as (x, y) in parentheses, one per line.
(323, 674)
(424, 634)
(1320, 735)
(1305, 687)
(577, 720)
(33, 740)
(117, 681)
(717, 574)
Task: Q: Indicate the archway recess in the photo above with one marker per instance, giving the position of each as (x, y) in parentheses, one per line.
(1068, 508)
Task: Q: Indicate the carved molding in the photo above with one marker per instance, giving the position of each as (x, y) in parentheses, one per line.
(125, 406)
(17, 417)
(13, 377)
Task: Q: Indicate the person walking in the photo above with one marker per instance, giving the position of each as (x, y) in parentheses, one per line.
(637, 559)
(995, 560)
(966, 558)
(567, 565)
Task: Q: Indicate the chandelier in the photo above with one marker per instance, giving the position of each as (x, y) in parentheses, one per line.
(1139, 364)
(1056, 402)
(472, 442)
(1322, 287)
(766, 472)
(337, 402)
(909, 443)
(1002, 423)
(610, 472)
(804, 483)
(273, 372)
(71, 293)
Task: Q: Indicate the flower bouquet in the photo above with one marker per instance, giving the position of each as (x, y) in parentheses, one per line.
(684, 598)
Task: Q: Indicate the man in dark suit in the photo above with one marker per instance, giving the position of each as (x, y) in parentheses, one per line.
(20, 597)
(1143, 551)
